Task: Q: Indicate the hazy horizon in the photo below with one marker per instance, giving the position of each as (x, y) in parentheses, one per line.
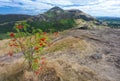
(96, 8)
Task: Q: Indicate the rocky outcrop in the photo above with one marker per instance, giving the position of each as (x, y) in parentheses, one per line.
(77, 14)
(76, 55)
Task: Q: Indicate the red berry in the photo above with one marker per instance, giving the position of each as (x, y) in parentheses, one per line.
(12, 34)
(41, 44)
(43, 39)
(19, 27)
(36, 48)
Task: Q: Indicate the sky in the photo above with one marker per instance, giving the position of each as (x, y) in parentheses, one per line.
(34, 7)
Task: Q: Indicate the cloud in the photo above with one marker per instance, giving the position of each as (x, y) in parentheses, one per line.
(93, 7)
(104, 8)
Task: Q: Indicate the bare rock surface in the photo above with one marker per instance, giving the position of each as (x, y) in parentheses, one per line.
(77, 55)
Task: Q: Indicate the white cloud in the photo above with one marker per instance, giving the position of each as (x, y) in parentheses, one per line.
(93, 7)
(59, 2)
(104, 8)
(5, 0)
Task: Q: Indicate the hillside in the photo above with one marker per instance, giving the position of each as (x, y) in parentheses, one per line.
(7, 21)
(58, 19)
(13, 17)
(57, 13)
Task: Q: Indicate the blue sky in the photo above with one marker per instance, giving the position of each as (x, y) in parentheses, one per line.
(92, 7)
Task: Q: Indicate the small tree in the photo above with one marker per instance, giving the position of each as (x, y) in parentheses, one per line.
(30, 42)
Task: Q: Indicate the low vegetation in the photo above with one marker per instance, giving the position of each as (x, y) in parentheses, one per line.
(43, 25)
(30, 43)
(53, 26)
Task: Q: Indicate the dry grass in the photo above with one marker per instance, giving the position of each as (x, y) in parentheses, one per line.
(67, 71)
(4, 49)
(71, 43)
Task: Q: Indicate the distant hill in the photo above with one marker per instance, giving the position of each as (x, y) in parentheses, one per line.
(56, 13)
(113, 22)
(55, 19)
(58, 19)
(7, 21)
(13, 17)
